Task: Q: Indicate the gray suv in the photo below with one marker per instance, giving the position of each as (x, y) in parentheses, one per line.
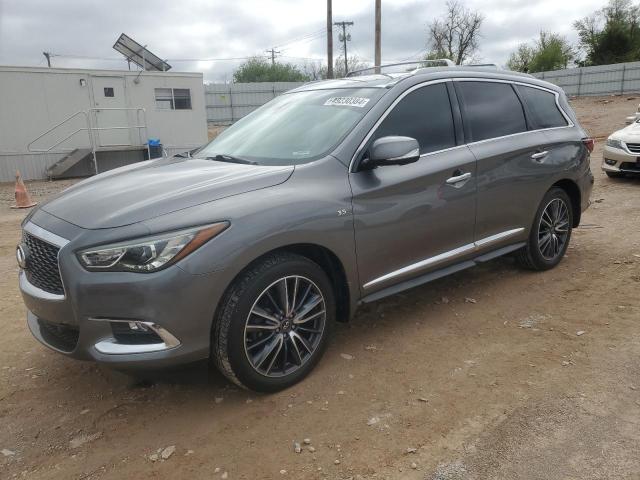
(332, 195)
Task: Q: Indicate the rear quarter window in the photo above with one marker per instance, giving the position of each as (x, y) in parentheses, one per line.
(490, 109)
(542, 108)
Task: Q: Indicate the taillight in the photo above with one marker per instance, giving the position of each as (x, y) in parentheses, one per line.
(590, 143)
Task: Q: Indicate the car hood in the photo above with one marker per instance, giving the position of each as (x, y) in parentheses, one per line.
(631, 133)
(145, 190)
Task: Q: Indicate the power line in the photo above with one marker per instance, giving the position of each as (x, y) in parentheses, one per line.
(302, 37)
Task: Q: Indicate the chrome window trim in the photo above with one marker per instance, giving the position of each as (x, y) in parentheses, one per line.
(570, 123)
(53, 239)
(442, 257)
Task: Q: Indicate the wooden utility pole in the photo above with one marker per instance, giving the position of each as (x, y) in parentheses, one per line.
(344, 38)
(378, 54)
(273, 53)
(329, 40)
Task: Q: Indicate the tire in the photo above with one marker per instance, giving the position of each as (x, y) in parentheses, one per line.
(241, 338)
(614, 174)
(547, 244)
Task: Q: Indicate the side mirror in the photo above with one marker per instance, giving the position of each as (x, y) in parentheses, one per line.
(393, 151)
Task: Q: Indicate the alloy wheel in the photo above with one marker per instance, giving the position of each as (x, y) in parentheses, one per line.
(553, 230)
(285, 326)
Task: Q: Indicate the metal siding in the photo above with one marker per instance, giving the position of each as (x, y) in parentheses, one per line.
(32, 166)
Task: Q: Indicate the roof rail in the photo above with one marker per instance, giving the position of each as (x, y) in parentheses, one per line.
(438, 62)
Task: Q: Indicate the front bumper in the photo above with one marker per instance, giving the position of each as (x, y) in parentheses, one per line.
(176, 306)
(619, 161)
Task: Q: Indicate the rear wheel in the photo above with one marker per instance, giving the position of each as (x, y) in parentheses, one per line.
(550, 232)
(273, 323)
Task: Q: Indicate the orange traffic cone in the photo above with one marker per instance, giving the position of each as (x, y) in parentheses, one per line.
(23, 199)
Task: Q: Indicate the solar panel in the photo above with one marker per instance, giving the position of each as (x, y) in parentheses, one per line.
(139, 54)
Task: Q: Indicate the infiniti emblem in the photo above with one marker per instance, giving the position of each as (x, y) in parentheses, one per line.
(22, 256)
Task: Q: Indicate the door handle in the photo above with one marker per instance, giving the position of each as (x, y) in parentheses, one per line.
(539, 155)
(458, 177)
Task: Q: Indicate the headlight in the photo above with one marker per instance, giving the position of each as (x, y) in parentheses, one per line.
(149, 254)
(615, 143)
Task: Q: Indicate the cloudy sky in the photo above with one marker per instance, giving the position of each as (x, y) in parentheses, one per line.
(191, 33)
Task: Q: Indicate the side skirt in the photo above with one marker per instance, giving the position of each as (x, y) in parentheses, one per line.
(443, 272)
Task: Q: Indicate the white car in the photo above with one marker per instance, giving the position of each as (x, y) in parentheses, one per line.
(622, 152)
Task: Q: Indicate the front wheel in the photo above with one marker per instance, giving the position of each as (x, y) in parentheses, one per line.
(273, 323)
(550, 232)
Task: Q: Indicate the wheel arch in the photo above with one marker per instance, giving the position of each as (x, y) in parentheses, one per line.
(573, 191)
(328, 261)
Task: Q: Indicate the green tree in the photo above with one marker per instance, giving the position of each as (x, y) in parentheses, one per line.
(258, 69)
(550, 52)
(610, 35)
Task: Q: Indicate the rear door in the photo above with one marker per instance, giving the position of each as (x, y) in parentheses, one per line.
(509, 175)
(408, 218)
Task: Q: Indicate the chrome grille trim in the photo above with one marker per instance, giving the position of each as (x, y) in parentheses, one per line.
(45, 282)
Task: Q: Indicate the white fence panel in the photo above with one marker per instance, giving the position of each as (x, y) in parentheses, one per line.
(227, 103)
(621, 78)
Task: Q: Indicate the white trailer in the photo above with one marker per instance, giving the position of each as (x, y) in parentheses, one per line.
(72, 122)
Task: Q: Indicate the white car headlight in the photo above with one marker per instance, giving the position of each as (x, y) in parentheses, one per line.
(149, 254)
(615, 143)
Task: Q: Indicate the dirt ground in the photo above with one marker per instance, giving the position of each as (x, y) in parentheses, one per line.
(482, 375)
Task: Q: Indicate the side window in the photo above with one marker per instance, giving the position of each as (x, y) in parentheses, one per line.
(491, 109)
(542, 107)
(424, 114)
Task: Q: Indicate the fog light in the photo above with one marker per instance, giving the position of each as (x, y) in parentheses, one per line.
(134, 333)
(609, 162)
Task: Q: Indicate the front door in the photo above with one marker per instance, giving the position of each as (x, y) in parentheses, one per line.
(109, 117)
(408, 219)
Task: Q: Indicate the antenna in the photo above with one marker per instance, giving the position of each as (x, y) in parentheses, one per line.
(139, 54)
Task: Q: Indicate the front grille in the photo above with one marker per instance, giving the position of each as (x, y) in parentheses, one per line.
(42, 267)
(62, 337)
(634, 147)
(630, 167)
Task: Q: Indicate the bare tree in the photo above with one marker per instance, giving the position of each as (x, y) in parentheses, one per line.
(318, 70)
(456, 35)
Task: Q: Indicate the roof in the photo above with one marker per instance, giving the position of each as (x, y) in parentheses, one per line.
(89, 71)
(387, 80)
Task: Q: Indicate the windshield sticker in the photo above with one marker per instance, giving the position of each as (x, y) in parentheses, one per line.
(347, 101)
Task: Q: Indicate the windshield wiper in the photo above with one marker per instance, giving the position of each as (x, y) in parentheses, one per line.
(231, 159)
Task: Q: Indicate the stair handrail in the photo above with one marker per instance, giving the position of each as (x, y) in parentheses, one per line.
(90, 129)
(70, 117)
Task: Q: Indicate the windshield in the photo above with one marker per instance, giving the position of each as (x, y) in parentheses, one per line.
(293, 128)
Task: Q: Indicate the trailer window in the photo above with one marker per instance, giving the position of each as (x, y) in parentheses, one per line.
(173, 98)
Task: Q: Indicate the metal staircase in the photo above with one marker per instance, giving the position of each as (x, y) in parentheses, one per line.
(69, 160)
(74, 155)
